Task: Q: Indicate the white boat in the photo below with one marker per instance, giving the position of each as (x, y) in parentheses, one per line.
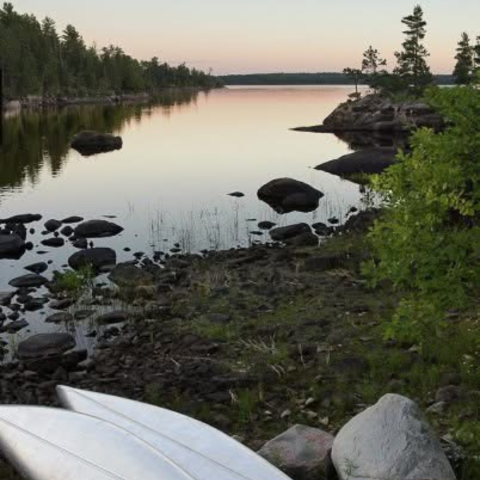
(53, 444)
(202, 451)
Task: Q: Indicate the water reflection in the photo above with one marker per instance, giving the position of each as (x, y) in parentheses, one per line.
(33, 140)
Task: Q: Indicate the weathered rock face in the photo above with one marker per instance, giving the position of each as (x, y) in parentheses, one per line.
(286, 195)
(377, 113)
(97, 258)
(300, 452)
(97, 229)
(11, 246)
(390, 440)
(90, 143)
(369, 161)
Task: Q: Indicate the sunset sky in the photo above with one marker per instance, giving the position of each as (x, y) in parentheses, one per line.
(250, 36)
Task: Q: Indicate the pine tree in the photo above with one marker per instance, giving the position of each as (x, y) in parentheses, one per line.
(477, 54)
(356, 75)
(412, 66)
(464, 67)
(371, 64)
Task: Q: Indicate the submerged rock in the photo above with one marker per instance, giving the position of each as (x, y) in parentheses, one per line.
(301, 452)
(27, 281)
(97, 229)
(37, 268)
(390, 440)
(72, 219)
(90, 143)
(126, 274)
(287, 195)
(23, 218)
(94, 257)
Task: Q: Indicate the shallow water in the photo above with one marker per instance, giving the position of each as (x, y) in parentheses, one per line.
(180, 159)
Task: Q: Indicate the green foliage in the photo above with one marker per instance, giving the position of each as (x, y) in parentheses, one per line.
(412, 67)
(39, 61)
(464, 68)
(371, 67)
(428, 243)
(75, 283)
(355, 75)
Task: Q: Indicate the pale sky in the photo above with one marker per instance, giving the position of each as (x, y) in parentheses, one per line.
(248, 36)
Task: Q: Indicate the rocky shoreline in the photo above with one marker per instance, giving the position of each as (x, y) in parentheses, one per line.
(253, 341)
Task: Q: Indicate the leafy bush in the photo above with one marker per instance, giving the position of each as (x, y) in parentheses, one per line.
(75, 283)
(428, 242)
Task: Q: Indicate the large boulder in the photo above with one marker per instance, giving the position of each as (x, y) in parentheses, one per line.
(11, 246)
(287, 195)
(390, 440)
(378, 113)
(97, 258)
(90, 143)
(368, 161)
(282, 234)
(97, 229)
(301, 452)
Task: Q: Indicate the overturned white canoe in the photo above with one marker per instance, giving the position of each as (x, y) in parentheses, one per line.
(202, 451)
(52, 444)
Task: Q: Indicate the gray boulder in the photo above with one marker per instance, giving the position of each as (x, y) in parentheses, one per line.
(287, 195)
(27, 281)
(390, 440)
(11, 246)
(96, 258)
(90, 143)
(97, 229)
(301, 452)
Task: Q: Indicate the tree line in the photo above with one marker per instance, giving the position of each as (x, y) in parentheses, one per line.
(37, 60)
(411, 73)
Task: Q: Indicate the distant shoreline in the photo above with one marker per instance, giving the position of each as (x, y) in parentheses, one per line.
(292, 79)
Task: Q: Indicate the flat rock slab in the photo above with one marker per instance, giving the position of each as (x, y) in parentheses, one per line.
(301, 452)
(281, 234)
(390, 440)
(27, 281)
(24, 218)
(97, 229)
(368, 161)
(90, 143)
(97, 258)
(44, 345)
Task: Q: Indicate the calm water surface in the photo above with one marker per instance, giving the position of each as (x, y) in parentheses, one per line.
(181, 157)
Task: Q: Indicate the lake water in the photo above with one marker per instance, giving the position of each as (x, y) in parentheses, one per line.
(180, 159)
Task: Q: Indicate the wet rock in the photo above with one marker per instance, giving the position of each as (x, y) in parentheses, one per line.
(301, 452)
(6, 298)
(62, 304)
(236, 194)
(97, 258)
(80, 243)
(83, 314)
(35, 304)
(72, 219)
(24, 218)
(113, 317)
(368, 161)
(90, 143)
(67, 231)
(266, 225)
(61, 317)
(15, 326)
(390, 440)
(287, 195)
(29, 280)
(52, 225)
(281, 234)
(45, 344)
(11, 246)
(37, 268)
(97, 229)
(54, 242)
